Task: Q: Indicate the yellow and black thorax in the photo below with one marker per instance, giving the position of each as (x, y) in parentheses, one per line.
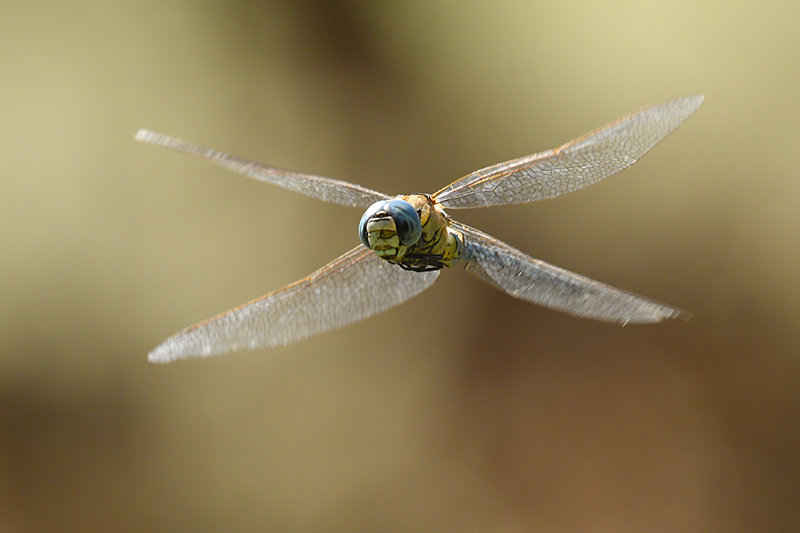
(411, 231)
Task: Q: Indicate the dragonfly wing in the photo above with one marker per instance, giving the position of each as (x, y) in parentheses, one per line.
(325, 189)
(574, 165)
(355, 286)
(535, 281)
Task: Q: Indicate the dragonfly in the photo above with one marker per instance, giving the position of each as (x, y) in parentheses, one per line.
(407, 240)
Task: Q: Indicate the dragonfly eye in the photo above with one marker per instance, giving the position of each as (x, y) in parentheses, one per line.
(405, 217)
(406, 220)
(368, 214)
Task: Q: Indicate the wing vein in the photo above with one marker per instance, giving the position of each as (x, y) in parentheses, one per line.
(319, 187)
(533, 280)
(351, 288)
(574, 165)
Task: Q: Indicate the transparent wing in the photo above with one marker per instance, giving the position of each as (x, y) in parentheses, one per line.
(574, 165)
(529, 279)
(325, 189)
(355, 286)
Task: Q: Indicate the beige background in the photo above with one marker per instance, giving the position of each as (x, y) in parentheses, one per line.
(463, 410)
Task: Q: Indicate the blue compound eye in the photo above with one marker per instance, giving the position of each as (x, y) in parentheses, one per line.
(406, 220)
(405, 217)
(369, 213)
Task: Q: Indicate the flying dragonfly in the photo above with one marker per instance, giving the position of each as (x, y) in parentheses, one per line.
(407, 239)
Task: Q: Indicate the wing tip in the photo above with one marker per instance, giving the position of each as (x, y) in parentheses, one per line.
(159, 356)
(667, 313)
(696, 98)
(655, 316)
(691, 103)
(144, 136)
(158, 139)
(681, 314)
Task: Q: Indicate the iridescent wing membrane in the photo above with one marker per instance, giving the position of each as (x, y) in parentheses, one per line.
(359, 284)
(355, 286)
(325, 189)
(526, 278)
(571, 166)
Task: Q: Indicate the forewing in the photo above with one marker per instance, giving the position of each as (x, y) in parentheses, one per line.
(535, 281)
(325, 189)
(355, 286)
(574, 165)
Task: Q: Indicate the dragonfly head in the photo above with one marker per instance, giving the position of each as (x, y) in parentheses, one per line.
(389, 225)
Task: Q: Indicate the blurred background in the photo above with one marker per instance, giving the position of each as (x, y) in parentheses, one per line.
(479, 412)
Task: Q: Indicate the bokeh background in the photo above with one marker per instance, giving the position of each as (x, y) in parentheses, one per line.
(463, 410)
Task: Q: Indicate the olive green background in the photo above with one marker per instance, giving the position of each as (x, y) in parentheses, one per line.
(464, 409)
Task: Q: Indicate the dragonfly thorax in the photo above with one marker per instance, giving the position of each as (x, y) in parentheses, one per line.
(410, 231)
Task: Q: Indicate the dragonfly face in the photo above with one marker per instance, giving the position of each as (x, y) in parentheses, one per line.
(389, 225)
(411, 231)
(407, 240)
